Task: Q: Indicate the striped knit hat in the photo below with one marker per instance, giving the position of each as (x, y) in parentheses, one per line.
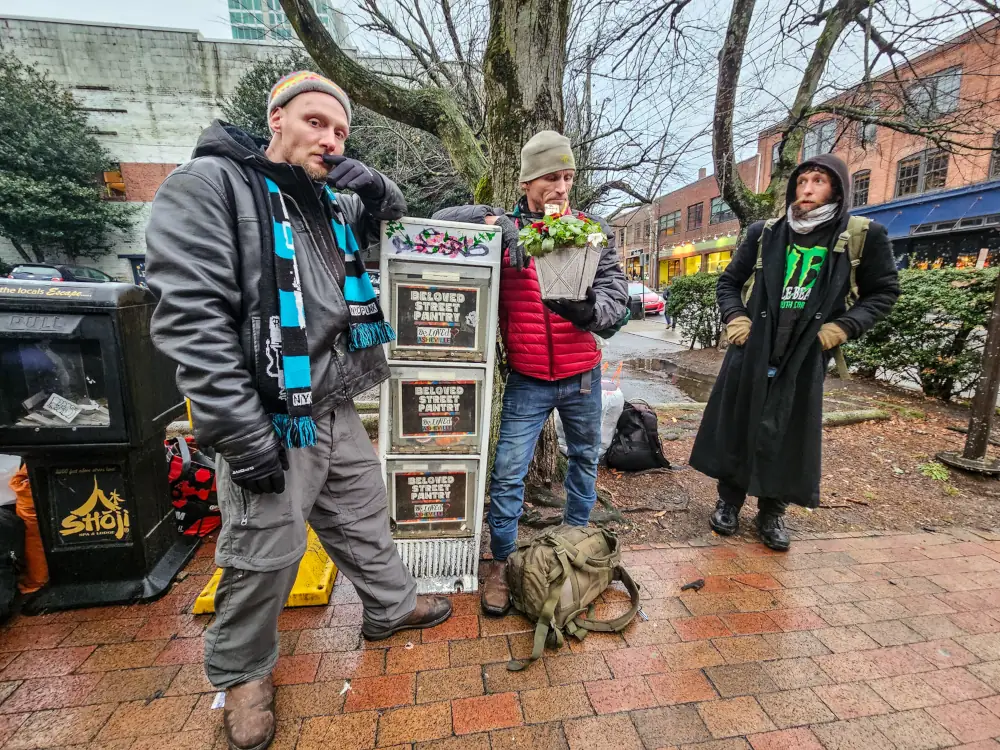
(300, 82)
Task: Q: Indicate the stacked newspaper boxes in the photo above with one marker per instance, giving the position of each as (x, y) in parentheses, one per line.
(439, 289)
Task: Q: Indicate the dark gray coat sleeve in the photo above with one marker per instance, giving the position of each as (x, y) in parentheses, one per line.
(610, 286)
(729, 289)
(878, 284)
(193, 269)
(475, 214)
(366, 218)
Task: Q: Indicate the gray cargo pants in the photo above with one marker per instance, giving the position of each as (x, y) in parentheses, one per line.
(337, 487)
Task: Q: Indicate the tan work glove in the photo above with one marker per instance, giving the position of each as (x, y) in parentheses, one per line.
(738, 330)
(831, 335)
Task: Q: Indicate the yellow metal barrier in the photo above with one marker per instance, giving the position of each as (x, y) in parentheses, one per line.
(313, 583)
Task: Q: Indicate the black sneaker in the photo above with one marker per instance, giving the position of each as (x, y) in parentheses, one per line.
(726, 518)
(773, 533)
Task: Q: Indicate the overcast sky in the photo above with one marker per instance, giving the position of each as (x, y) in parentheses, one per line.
(210, 17)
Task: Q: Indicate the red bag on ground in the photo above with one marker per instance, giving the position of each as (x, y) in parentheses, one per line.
(192, 487)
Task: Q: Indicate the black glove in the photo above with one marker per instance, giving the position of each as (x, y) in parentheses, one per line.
(509, 237)
(350, 174)
(578, 312)
(263, 474)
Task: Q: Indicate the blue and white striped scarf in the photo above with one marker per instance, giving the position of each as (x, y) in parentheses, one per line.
(285, 381)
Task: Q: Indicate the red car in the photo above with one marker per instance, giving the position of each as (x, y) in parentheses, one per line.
(652, 302)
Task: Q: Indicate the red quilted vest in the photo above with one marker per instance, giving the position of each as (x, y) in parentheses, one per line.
(539, 343)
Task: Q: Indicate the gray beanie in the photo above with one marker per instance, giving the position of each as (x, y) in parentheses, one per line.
(544, 153)
(300, 82)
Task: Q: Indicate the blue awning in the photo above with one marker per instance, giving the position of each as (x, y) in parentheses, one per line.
(958, 205)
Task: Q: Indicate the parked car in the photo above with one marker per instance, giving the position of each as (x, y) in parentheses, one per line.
(58, 272)
(652, 303)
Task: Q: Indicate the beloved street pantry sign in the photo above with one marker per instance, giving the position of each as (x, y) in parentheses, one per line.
(439, 408)
(430, 497)
(102, 518)
(436, 316)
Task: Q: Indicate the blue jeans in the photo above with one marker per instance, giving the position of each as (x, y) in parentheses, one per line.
(527, 403)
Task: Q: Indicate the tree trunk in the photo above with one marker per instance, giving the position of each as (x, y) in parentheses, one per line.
(523, 79)
(747, 205)
(545, 464)
(23, 252)
(433, 110)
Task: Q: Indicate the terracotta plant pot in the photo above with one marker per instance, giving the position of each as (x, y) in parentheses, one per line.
(567, 272)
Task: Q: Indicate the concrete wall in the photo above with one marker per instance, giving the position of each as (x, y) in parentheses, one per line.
(149, 93)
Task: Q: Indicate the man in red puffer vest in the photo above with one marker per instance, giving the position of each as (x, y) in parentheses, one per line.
(554, 356)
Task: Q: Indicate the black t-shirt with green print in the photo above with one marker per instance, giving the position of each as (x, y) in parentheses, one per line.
(804, 259)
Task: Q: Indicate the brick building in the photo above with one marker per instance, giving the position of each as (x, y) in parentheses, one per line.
(686, 231)
(940, 208)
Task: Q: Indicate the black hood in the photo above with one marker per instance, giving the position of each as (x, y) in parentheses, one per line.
(222, 139)
(833, 164)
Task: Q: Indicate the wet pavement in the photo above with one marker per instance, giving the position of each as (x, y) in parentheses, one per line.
(645, 374)
(880, 642)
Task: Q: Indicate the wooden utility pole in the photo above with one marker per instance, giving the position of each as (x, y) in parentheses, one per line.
(984, 404)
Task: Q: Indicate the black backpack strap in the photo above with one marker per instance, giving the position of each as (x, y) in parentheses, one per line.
(185, 453)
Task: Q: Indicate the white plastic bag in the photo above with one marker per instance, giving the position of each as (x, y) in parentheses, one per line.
(612, 405)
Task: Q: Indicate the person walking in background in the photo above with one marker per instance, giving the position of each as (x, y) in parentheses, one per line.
(761, 433)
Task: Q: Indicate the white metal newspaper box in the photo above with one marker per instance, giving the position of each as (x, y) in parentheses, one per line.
(440, 284)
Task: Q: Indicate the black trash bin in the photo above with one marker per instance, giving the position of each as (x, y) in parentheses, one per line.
(85, 398)
(636, 308)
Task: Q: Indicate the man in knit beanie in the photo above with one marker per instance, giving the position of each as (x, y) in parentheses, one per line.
(553, 353)
(255, 253)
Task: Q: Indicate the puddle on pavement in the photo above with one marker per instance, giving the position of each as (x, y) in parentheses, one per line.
(662, 381)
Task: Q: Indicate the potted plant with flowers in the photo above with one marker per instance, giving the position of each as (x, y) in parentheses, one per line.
(567, 249)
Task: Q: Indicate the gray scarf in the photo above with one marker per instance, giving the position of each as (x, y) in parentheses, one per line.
(808, 221)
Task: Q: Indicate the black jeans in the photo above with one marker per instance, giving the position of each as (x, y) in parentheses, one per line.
(733, 495)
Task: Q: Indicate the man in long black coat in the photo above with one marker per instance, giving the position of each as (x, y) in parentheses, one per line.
(761, 434)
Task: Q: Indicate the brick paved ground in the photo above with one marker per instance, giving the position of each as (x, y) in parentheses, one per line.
(853, 642)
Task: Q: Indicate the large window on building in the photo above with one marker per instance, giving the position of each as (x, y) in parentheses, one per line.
(859, 187)
(819, 139)
(670, 223)
(720, 212)
(994, 172)
(696, 216)
(921, 172)
(935, 95)
(775, 153)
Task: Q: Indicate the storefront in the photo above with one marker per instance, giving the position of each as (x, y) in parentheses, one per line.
(957, 228)
(636, 264)
(710, 256)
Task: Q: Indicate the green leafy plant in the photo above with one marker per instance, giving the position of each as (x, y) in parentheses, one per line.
(934, 335)
(693, 305)
(545, 235)
(934, 470)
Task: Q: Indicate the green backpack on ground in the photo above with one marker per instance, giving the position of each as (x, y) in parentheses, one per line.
(555, 578)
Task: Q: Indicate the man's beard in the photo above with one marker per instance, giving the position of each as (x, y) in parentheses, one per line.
(799, 211)
(315, 172)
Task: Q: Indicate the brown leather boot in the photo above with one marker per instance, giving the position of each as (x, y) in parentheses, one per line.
(249, 715)
(495, 596)
(431, 610)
